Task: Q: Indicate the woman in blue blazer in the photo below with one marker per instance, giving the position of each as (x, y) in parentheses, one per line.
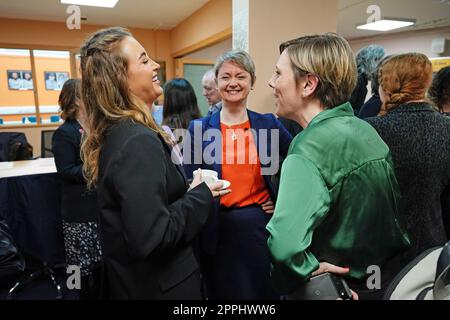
(244, 148)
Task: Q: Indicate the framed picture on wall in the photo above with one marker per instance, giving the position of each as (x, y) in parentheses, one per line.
(54, 80)
(162, 72)
(19, 80)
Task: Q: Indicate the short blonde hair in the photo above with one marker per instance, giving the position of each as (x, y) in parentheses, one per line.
(331, 59)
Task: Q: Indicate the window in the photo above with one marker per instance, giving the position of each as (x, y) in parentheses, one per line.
(17, 103)
(30, 84)
(52, 70)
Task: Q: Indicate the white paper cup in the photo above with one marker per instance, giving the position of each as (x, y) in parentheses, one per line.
(209, 176)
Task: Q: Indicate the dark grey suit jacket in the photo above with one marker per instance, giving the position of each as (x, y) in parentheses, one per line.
(419, 140)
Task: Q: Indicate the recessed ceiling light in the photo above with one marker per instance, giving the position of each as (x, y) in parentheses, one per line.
(92, 3)
(386, 25)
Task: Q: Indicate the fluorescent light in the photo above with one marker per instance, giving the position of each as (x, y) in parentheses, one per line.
(92, 3)
(385, 25)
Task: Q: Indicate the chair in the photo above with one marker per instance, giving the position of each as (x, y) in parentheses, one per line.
(54, 119)
(46, 143)
(1, 121)
(13, 146)
(32, 119)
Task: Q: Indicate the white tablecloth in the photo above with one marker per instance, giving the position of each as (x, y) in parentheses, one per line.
(28, 167)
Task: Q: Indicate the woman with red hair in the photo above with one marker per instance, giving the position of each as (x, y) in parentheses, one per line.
(418, 137)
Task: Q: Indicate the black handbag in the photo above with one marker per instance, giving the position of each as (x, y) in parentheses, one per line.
(12, 263)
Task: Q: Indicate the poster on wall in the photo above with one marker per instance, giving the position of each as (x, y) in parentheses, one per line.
(439, 63)
(19, 80)
(54, 80)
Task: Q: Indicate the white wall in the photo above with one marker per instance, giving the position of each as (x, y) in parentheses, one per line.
(212, 52)
(415, 41)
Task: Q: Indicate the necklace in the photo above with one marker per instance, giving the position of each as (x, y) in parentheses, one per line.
(233, 135)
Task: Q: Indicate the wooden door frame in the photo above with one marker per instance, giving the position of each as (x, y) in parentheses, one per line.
(179, 65)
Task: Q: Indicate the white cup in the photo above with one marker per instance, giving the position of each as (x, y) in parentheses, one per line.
(209, 176)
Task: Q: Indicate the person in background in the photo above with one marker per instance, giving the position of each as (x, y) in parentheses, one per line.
(210, 92)
(180, 107)
(27, 81)
(78, 205)
(337, 208)
(366, 61)
(50, 83)
(180, 104)
(149, 215)
(14, 82)
(418, 137)
(236, 260)
(61, 79)
(372, 107)
(439, 92)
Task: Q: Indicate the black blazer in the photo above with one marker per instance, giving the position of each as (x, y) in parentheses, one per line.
(419, 140)
(78, 204)
(147, 218)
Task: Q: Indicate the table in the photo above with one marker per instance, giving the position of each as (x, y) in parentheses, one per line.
(27, 167)
(30, 193)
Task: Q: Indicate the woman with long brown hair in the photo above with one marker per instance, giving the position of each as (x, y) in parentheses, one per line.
(148, 218)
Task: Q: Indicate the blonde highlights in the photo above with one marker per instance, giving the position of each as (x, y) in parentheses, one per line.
(106, 94)
(331, 59)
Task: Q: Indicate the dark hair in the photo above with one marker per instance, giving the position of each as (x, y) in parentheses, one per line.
(69, 99)
(439, 92)
(180, 104)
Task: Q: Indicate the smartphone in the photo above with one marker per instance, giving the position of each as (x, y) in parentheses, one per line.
(325, 286)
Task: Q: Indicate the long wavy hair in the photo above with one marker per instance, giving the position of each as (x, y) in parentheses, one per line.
(180, 104)
(106, 95)
(403, 78)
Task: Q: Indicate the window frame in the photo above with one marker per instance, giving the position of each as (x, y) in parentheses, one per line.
(73, 72)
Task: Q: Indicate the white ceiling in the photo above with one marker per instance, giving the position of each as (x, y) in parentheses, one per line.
(151, 14)
(166, 14)
(427, 13)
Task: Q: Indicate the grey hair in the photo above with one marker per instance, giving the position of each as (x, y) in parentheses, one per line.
(239, 58)
(209, 72)
(367, 59)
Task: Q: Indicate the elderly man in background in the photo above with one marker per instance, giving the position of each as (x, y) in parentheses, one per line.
(211, 93)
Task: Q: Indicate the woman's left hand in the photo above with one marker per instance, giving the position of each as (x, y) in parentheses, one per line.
(268, 206)
(331, 268)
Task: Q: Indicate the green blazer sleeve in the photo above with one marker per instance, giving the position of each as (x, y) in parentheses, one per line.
(303, 202)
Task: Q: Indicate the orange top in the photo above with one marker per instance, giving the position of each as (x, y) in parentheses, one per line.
(241, 166)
